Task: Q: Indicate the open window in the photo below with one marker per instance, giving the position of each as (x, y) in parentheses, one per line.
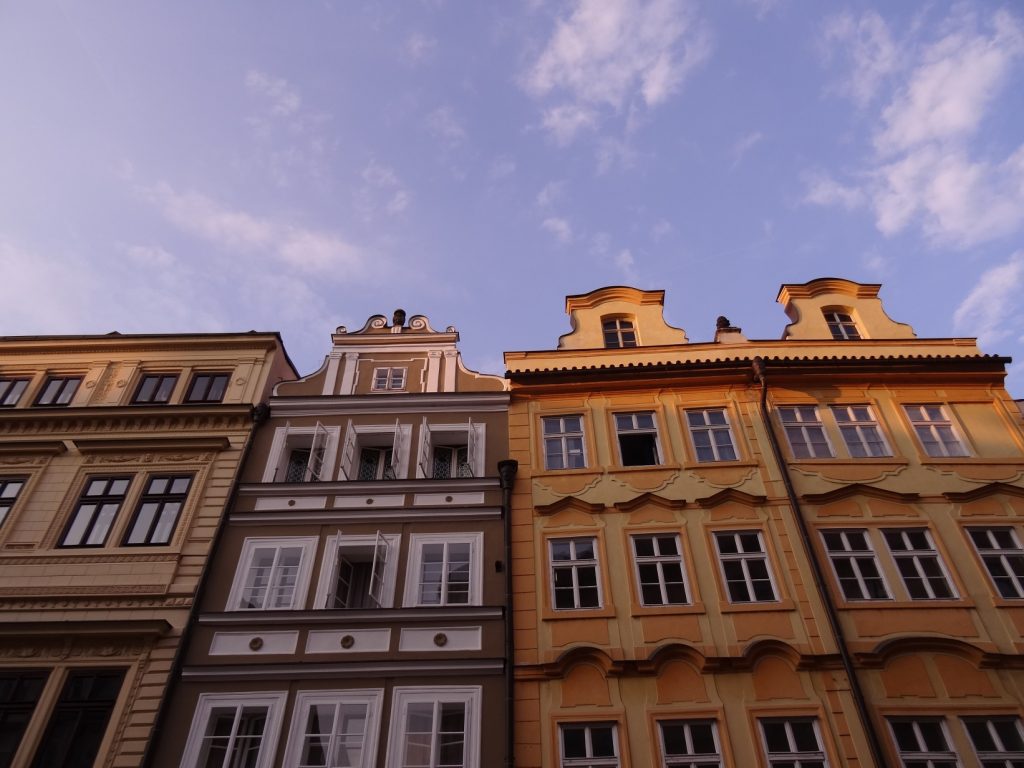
(451, 450)
(359, 571)
(376, 452)
(302, 454)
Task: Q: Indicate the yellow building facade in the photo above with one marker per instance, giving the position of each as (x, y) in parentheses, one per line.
(803, 551)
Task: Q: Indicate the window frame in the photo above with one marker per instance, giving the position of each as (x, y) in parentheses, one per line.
(327, 583)
(473, 438)
(404, 695)
(802, 426)
(573, 565)
(66, 702)
(155, 397)
(858, 427)
(744, 558)
(615, 329)
(915, 556)
(841, 324)
(375, 436)
(414, 569)
(274, 701)
(589, 760)
(213, 376)
(74, 381)
(162, 500)
(389, 382)
(933, 427)
(658, 560)
(562, 437)
(689, 759)
(10, 391)
(8, 501)
(307, 544)
(949, 754)
(289, 438)
(793, 757)
(38, 680)
(711, 430)
(100, 501)
(634, 431)
(854, 556)
(1002, 553)
(373, 698)
(1001, 755)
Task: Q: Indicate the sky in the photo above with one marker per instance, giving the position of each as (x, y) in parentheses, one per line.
(295, 166)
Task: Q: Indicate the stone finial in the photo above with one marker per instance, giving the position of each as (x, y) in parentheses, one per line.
(398, 319)
(722, 322)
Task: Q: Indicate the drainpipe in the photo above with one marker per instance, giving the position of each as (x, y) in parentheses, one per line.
(874, 742)
(507, 475)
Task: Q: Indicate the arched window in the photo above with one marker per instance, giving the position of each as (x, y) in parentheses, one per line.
(841, 325)
(618, 332)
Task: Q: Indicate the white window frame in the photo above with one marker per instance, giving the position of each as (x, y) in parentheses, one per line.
(414, 570)
(635, 429)
(793, 417)
(359, 436)
(712, 430)
(792, 757)
(562, 436)
(857, 432)
(273, 701)
(385, 379)
(1002, 555)
(305, 700)
(659, 560)
(249, 547)
(621, 326)
(589, 761)
(855, 557)
(934, 427)
(403, 696)
(744, 558)
(473, 436)
(923, 755)
(573, 565)
(690, 758)
(916, 557)
(329, 569)
(841, 325)
(1000, 754)
(322, 442)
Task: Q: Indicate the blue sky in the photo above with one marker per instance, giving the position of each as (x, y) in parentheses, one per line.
(295, 166)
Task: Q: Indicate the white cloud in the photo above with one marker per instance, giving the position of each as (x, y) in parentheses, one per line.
(419, 47)
(661, 230)
(382, 190)
(869, 49)
(992, 310)
(558, 227)
(763, 7)
(550, 193)
(612, 54)
(148, 255)
(502, 167)
(626, 264)
(443, 123)
(744, 145)
(283, 100)
(822, 190)
(614, 152)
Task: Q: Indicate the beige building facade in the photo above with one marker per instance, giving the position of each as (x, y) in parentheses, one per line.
(803, 551)
(117, 457)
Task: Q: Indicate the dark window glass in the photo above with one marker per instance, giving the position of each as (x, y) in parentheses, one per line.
(97, 506)
(58, 390)
(10, 487)
(158, 510)
(207, 388)
(11, 391)
(79, 719)
(155, 388)
(19, 692)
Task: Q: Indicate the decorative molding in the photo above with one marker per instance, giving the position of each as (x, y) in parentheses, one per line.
(87, 589)
(986, 490)
(61, 602)
(101, 557)
(731, 495)
(859, 489)
(570, 502)
(649, 499)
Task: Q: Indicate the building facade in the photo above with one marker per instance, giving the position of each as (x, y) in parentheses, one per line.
(355, 610)
(117, 456)
(803, 551)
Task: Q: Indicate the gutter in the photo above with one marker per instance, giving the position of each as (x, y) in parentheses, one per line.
(507, 475)
(859, 700)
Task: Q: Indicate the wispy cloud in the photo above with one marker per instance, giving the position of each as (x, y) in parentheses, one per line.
(550, 193)
(993, 310)
(608, 55)
(280, 96)
(419, 48)
(928, 168)
(558, 227)
(382, 191)
(661, 230)
(866, 49)
(744, 145)
(627, 266)
(443, 124)
(502, 167)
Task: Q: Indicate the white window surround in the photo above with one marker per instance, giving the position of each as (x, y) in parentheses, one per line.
(792, 741)
(272, 701)
(414, 569)
(689, 742)
(660, 575)
(395, 436)
(473, 436)
(936, 433)
(289, 438)
(745, 567)
(1003, 557)
(403, 696)
(861, 431)
(301, 583)
(370, 698)
(922, 740)
(919, 563)
(805, 432)
(329, 568)
(711, 434)
(855, 564)
(391, 379)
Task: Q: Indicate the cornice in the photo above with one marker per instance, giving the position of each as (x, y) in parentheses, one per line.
(985, 490)
(239, 344)
(390, 402)
(117, 628)
(860, 489)
(116, 421)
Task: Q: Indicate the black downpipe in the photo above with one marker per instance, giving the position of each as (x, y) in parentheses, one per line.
(507, 475)
(874, 743)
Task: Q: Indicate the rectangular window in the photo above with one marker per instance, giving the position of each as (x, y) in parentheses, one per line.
(19, 692)
(10, 487)
(804, 432)
(58, 390)
(11, 391)
(335, 728)
(745, 566)
(444, 569)
(155, 388)
(302, 454)
(207, 387)
(273, 574)
(363, 573)
(1001, 552)
(841, 326)
(618, 333)
(690, 744)
(79, 719)
(234, 730)
(451, 450)
(638, 439)
(998, 741)
(95, 512)
(659, 570)
(923, 741)
(919, 564)
(935, 431)
(590, 745)
(376, 464)
(388, 379)
(855, 565)
(376, 451)
(563, 442)
(860, 431)
(793, 743)
(158, 510)
(711, 436)
(435, 727)
(574, 574)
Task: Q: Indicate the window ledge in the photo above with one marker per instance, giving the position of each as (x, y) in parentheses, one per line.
(561, 614)
(778, 605)
(841, 461)
(894, 604)
(693, 465)
(640, 611)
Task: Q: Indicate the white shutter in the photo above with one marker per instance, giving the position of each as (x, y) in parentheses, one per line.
(348, 452)
(315, 464)
(425, 464)
(380, 561)
(396, 451)
(475, 449)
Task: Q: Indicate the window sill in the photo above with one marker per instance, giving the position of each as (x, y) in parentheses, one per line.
(640, 611)
(692, 465)
(892, 603)
(778, 605)
(843, 461)
(562, 614)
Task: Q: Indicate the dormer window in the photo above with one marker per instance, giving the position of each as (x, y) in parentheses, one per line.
(618, 332)
(388, 379)
(841, 325)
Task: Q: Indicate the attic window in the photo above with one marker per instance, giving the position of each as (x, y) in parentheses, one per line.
(618, 332)
(841, 325)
